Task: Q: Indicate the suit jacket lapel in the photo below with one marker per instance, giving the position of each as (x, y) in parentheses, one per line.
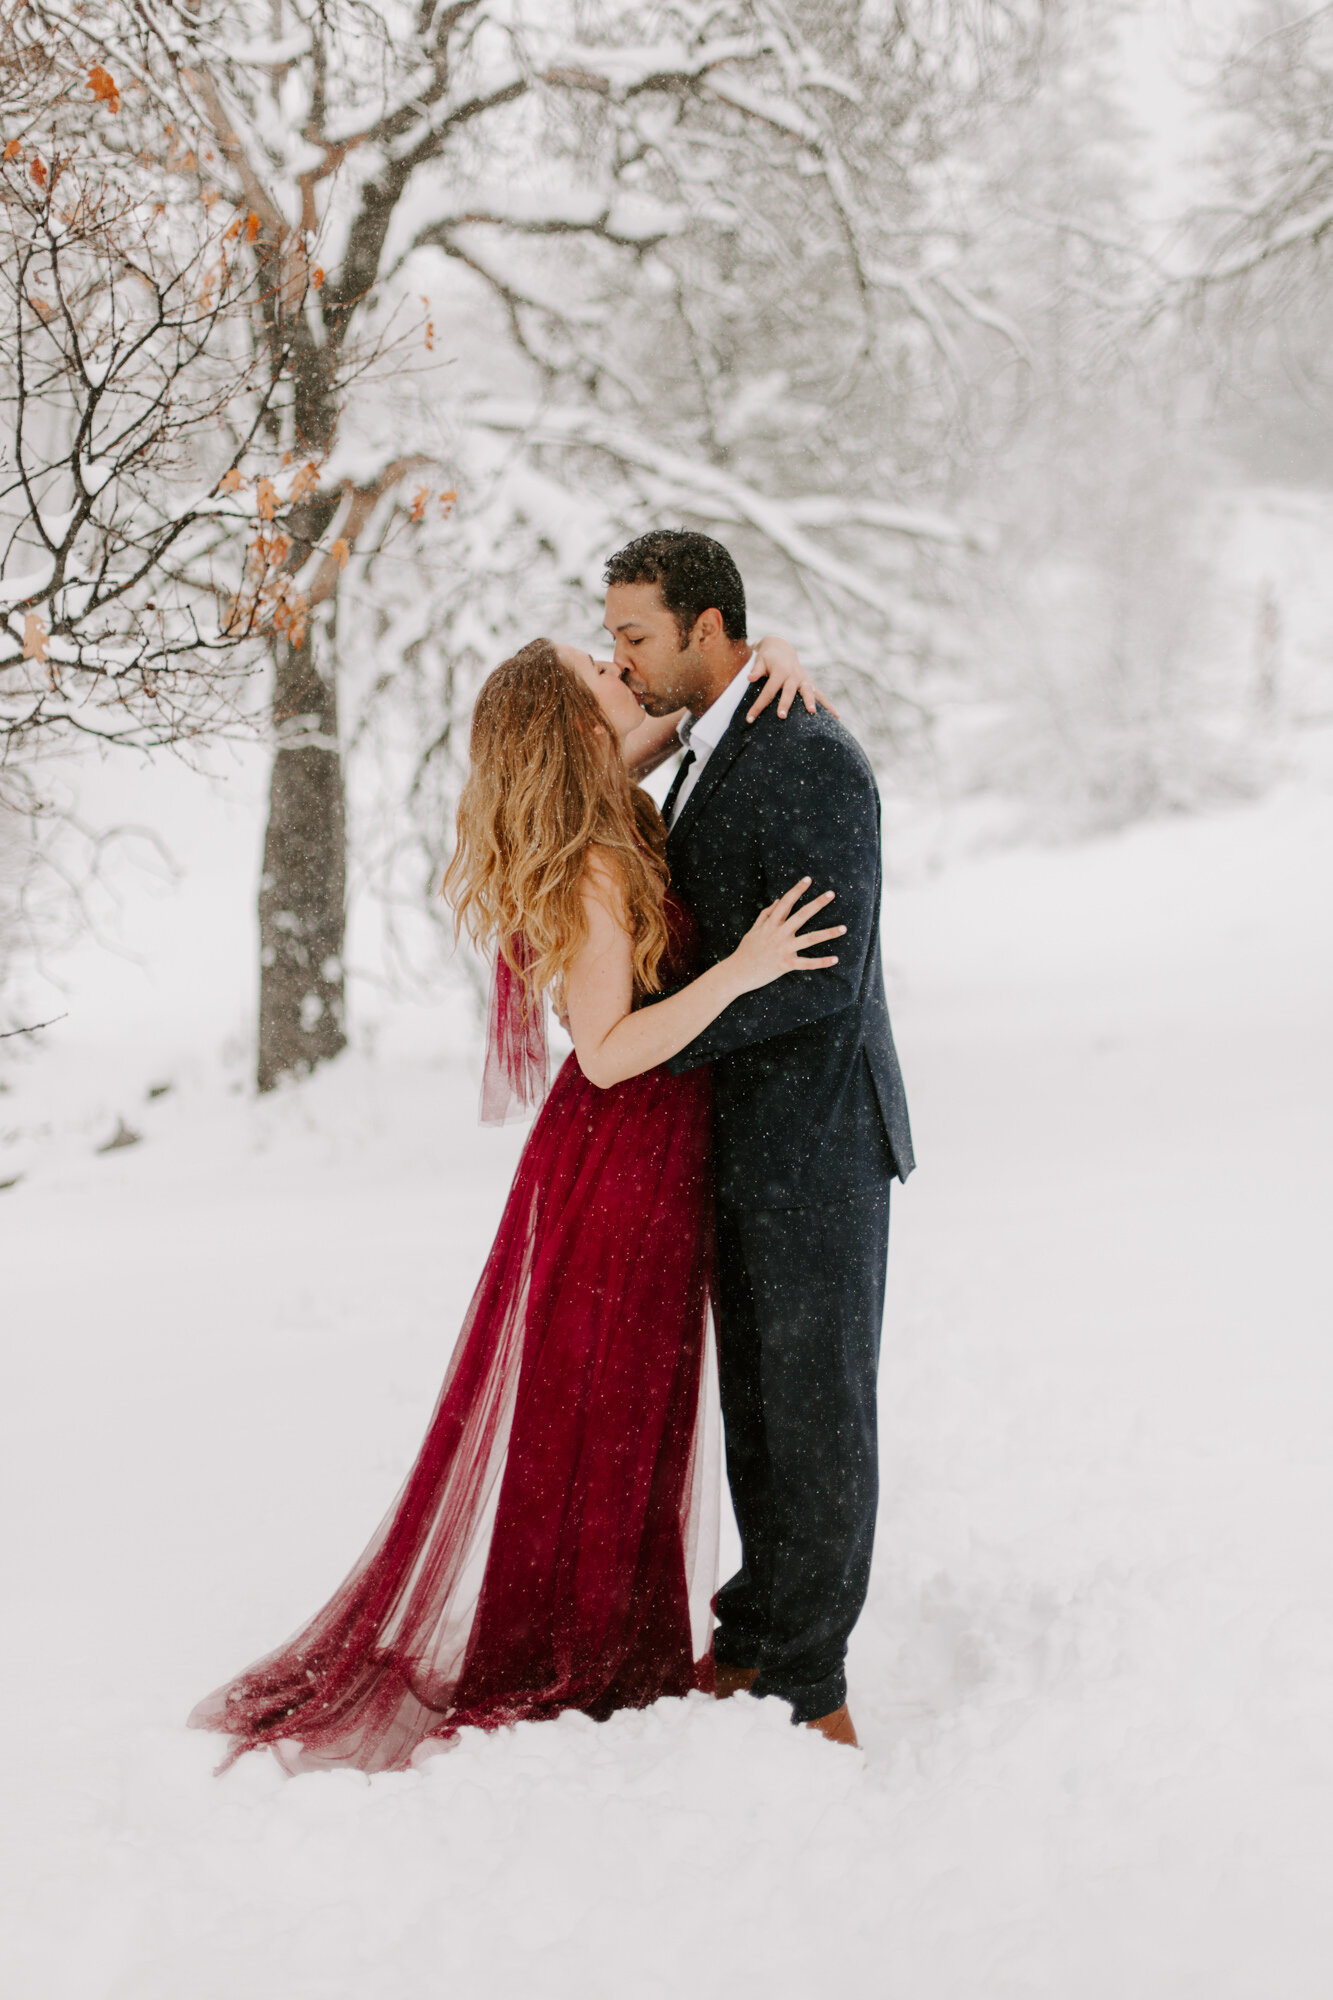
(714, 771)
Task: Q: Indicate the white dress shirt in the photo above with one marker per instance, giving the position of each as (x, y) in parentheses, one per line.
(703, 733)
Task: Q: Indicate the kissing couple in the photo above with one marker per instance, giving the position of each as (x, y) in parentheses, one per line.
(724, 1134)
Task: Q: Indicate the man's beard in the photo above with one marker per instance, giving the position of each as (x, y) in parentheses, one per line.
(665, 701)
(660, 704)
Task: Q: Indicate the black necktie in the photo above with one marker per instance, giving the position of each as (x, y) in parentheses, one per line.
(669, 808)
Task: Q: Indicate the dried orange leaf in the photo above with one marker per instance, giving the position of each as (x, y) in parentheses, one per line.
(12, 150)
(419, 499)
(231, 482)
(251, 226)
(103, 87)
(447, 502)
(38, 172)
(317, 276)
(35, 639)
(341, 552)
(266, 499)
(303, 480)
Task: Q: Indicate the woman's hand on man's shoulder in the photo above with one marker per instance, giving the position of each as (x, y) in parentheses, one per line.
(775, 660)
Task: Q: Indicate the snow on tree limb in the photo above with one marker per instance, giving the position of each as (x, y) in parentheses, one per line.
(1269, 222)
(29, 585)
(983, 313)
(1297, 232)
(780, 113)
(703, 488)
(836, 510)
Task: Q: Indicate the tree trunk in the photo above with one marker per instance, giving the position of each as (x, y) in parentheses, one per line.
(302, 889)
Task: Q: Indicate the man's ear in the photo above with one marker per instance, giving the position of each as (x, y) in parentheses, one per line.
(707, 628)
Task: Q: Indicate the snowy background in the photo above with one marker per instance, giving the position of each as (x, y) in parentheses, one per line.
(1094, 1681)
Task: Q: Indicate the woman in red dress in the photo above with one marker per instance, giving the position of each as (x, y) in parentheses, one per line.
(539, 1554)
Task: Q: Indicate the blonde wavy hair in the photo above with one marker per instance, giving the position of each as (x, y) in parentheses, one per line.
(546, 785)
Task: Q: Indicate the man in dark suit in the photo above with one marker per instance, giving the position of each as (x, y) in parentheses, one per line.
(811, 1120)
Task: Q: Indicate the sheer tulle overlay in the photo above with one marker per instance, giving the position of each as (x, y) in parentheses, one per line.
(553, 1546)
(517, 1067)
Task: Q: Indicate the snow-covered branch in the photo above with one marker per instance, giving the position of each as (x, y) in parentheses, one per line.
(1296, 232)
(121, 365)
(714, 494)
(1271, 221)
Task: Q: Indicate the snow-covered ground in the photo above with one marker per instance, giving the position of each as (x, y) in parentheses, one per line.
(1095, 1679)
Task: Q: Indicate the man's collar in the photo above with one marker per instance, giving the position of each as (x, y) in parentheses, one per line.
(703, 733)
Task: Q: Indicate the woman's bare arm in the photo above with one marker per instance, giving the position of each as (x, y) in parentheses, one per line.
(651, 743)
(612, 1040)
(786, 678)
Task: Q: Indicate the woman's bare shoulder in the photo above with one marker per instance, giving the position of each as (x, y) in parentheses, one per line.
(603, 881)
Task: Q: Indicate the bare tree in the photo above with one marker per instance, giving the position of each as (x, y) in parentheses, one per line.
(735, 282)
(118, 375)
(1254, 285)
(128, 395)
(136, 568)
(590, 238)
(1269, 234)
(1081, 705)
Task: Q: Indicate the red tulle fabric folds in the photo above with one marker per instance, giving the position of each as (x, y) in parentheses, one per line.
(517, 1068)
(539, 1556)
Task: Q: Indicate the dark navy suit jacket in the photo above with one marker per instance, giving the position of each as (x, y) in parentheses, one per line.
(809, 1097)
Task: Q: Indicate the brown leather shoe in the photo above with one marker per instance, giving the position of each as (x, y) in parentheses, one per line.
(837, 1727)
(733, 1680)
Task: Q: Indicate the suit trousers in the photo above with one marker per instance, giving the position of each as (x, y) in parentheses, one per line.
(800, 1307)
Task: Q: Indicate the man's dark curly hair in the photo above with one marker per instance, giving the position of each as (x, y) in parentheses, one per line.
(694, 573)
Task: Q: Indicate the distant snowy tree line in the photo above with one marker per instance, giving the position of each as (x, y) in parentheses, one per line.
(354, 337)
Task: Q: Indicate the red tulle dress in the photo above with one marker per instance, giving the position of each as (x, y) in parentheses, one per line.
(554, 1544)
